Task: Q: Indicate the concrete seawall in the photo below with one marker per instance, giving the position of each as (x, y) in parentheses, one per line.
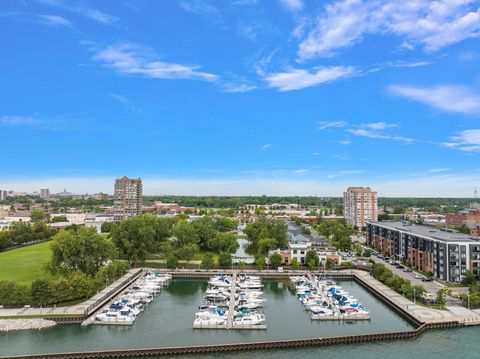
(220, 348)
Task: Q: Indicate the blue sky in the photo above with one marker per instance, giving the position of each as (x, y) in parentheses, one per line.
(241, 96)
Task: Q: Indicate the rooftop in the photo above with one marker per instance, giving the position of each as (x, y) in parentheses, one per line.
(424, 231)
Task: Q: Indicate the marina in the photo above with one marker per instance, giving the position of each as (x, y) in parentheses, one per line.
(124, 308)
(231, 302)
(325, 300)
(167, 322)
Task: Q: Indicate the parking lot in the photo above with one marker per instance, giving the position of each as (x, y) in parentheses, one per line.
(431, 287)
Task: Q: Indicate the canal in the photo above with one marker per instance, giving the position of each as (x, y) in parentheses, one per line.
(167, 321)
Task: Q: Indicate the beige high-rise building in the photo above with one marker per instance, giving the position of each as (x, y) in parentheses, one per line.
(127, 198)
(45, 193)
(360, 205)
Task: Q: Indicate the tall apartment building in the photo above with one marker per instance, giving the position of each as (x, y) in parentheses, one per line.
(3, 195)
(44, 193)
(445, 253)
(127, 198)
(360, 205)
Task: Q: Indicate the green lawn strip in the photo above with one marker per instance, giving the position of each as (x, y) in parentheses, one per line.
(24, 265)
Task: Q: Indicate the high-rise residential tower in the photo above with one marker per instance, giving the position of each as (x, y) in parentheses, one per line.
(127, 200)
(360, 206)
(44, 193)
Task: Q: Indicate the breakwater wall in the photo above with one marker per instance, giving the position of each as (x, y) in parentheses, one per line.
(222, 348)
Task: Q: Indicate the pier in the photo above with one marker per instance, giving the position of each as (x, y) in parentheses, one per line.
(231, 304)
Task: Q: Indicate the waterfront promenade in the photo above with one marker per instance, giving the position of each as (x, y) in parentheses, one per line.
(77, 310)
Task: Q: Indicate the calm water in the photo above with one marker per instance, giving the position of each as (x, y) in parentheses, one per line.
(168, 322)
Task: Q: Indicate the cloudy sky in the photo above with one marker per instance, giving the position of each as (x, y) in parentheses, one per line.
(241, 96)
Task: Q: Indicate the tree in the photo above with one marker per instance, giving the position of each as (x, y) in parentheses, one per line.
(469, 278)
(57, 219)
(329, 264)
(225, 259)
(260, 262)
(184, 233)
(139, 236)
(295, 264)
(274, 229)
(208, 261)
(204, 230)
(224, 242)
(266, 244)
(172, 261)
(241, 265)
(442, 295)
(187, 252)
(367, 253)
(358, 250)
(275, 260)
(40, 291)
(106, 227)
(37, 216)
(311, 258)
(224, 224)
(84, 250)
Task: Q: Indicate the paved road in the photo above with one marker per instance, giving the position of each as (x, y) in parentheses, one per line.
(431, 287)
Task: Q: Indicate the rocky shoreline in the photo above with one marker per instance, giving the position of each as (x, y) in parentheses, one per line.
(8, 325)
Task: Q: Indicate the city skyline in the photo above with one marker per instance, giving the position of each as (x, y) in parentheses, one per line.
(241, 98)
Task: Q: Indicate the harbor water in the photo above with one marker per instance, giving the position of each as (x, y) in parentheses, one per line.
(167, 322)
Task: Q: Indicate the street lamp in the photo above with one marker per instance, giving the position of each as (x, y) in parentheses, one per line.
(468, 297)
(414, 295)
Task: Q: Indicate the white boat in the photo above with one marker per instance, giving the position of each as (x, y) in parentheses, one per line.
(249, 320)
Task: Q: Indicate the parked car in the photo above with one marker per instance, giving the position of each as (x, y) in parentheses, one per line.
(427, 279)
(407, 270)
(418, 276)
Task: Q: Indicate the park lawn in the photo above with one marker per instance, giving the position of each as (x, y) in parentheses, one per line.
(26, 264)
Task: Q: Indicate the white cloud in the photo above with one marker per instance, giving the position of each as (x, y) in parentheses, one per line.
(203, 8)
(125, 102)
(379, 125)
(265, 146)
(293, 5)
(232, 87)
(438, 170)
(295, 79)
(15, 121)
(430, 24)
(377, 135)
(53, 20)
(467, 140)
(83, 10)
(322, 125)
(58, 123)
(449, 98)
(135, 60)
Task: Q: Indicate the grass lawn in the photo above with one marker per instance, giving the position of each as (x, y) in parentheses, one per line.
(25, 264)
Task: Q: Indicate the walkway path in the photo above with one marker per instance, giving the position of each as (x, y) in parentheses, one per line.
(231, 307)
(73, 310)
(421, 313)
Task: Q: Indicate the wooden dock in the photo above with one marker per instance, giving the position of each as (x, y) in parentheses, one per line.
(231, 307)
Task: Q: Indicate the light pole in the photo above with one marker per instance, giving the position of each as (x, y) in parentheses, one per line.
(468, 297)
(414, 295)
